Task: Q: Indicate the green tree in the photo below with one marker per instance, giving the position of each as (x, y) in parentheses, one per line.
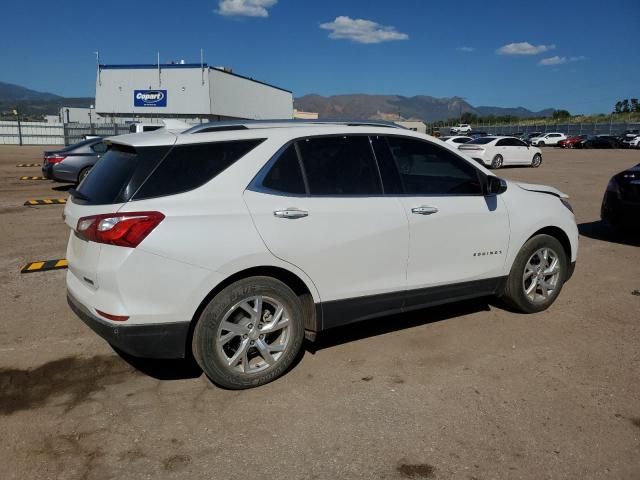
(561, 114)
(625, 106)
(618, 108)
(635, 106)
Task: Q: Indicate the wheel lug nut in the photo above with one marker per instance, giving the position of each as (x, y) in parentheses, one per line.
(244, 336)
(250, 325)
(261, 337)
(252, 342)
(260, 326)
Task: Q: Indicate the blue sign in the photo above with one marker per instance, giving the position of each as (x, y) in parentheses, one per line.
(149, 98)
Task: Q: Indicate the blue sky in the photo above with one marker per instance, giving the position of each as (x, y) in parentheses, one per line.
(578, 55)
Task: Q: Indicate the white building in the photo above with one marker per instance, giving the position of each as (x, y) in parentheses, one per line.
(187, 91)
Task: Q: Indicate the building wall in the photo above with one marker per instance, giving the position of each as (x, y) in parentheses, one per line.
(188, 93)
(184, 89)
(234, 96)
(419, 127)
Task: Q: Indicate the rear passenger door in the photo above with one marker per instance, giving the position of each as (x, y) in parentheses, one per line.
(319, 205)
(456, 233)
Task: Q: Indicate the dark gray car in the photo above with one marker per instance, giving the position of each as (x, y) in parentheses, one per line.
(72, 163)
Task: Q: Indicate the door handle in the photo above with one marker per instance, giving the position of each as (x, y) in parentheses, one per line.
(424, 210)
(291, 213)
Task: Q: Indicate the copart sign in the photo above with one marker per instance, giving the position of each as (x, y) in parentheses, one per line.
(149, 98)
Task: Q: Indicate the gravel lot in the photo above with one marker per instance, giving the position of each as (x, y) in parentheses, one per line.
(468, 391)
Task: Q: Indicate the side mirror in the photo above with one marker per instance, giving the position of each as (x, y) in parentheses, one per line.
(495, 185)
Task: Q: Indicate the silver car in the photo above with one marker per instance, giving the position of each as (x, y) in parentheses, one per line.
(73, 163)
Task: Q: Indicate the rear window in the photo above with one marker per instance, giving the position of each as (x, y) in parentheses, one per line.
(481, 141)
(149, 172)
(118, 174)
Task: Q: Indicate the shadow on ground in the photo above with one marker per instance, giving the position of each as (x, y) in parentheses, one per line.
(603, 231)
(63, 188)
(163, 369)
(392, 323)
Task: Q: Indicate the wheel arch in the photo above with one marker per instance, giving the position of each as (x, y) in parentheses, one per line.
(312, 318)
(558, 234)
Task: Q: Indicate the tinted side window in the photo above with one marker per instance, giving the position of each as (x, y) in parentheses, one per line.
(340, 166)
(190, 166)
(503, 143)
(426, 169)
(390, 177)
(285, 175)
(99, 147)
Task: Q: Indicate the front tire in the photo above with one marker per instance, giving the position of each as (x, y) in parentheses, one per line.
(540, 144)
(537, 275)
(536, 161)
(249, 334)
(497, 162)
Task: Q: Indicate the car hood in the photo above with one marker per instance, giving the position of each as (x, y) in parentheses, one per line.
(532, 187)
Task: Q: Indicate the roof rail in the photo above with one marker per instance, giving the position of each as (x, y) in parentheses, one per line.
(227, 125)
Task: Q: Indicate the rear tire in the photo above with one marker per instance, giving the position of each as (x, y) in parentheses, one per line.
(496, 162)
(535, 282)
(264, 333)
(83, 173)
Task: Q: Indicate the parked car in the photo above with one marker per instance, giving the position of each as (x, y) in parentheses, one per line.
(275, 231)
(548, 139)
(460, 129)
(496, 152)
(456, 139)
(621, 202)
(139, 127)
(599, 141)
(571, 141)
(631, 141)
(478, 134)
(73, 163)
(528, 136)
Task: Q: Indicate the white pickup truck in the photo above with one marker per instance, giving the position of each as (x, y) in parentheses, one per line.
(461, 128)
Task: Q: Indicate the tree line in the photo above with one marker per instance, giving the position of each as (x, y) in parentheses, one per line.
(627, 106)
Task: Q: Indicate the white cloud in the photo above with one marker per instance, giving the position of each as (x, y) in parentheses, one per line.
(553, 61)
(361, 31)
(466, 49)
(245, 8)
(523, 48)
(557, 60)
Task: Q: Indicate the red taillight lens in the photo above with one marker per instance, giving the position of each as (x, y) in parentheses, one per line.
(121, 229)
(55, 158)
(115, 318)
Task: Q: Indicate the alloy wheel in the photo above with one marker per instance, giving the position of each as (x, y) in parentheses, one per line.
(253, 335)
(541, 275)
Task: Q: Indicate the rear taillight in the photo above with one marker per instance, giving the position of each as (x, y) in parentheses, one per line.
(55, 158)
(121, 229)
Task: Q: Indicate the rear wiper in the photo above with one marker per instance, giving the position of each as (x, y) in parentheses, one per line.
(75, 193)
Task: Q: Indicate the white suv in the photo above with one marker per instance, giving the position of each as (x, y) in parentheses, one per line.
(233, 241)
(548, 139)
(461, 128)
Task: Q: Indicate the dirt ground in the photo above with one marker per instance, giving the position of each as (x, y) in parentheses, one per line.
(468, 391)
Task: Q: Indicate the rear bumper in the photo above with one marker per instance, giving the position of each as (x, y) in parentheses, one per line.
(164, 340)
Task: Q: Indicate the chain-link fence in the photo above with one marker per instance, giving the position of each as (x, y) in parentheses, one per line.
(570, 129)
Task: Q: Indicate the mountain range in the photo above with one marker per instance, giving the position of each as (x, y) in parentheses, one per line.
(397, 107)
(337, 107)
(33, 103)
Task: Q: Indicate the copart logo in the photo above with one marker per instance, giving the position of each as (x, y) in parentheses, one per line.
(149, 98)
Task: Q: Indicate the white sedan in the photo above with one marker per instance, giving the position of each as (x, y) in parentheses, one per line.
(495, 152)
(456, 139)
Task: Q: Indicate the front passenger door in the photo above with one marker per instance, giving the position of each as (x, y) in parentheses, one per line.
(456, 234)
